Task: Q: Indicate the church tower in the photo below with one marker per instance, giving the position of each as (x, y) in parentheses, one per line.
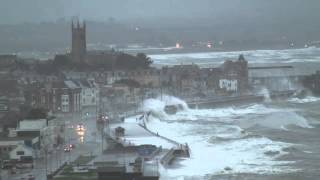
(79, 44)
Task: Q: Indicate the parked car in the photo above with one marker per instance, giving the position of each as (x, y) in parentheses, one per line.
(31, 177)
(67, 148)
(72, 146)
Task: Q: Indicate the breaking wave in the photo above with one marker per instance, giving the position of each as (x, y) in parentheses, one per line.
(241, 156)
(281, 119)
(260, 115)
(308, 99)
(265, 92)
(157, 106)
(219, 146)
(214, 148)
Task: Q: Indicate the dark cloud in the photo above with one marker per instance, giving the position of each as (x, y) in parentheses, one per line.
(17, 11)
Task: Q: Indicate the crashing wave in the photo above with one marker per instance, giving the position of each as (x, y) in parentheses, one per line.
(220, 141)
(279, 120)
(307, 99)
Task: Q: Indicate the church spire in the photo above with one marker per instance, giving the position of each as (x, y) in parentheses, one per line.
(78, 41)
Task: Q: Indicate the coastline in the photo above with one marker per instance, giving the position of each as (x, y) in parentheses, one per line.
(45, 55)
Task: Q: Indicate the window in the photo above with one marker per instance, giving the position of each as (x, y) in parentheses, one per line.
(65, 99)
(65, 108)
(20, 153)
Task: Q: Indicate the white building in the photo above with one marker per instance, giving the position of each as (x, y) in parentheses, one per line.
(21, 152)
(228, 84)
(33, 124)
(38, 128)
(89, 92)
(71, 102)
(6, 146)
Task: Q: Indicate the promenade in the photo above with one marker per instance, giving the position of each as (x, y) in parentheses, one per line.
(137, 134)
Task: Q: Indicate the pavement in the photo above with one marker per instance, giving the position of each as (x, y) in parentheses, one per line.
(135, 135)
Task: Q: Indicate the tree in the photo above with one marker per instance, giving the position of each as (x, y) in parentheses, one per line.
(45, 68)
(126, 61)
(241, 57)
(144, 60)
(61, 61)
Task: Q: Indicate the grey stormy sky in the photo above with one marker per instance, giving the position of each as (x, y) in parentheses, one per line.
(18, 11)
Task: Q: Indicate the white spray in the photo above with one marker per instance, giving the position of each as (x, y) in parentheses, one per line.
(265, 92)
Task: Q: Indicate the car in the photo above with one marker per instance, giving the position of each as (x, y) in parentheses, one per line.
(24, 165)
(67, 148)
(28, 177)
(31, 177)
(80, 127)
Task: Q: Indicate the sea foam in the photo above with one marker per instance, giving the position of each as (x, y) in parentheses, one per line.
(239, 154)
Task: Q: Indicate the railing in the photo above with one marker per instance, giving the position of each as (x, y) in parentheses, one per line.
(162, 137)
(183, 149)
(168, 157)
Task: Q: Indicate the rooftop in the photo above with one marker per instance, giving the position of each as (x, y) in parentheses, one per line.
(15, 139)
(32, 124)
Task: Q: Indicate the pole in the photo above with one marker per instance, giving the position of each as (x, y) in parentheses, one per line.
(102, 140)
(1, 173)
(57, 159)
(46, 160)
(69, 141)
(64, 139)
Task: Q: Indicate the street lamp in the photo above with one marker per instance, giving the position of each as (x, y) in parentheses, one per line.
(81, 139)
(87, 115)
(81, 132)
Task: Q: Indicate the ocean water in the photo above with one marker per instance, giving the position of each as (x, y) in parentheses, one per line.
(271, 140)
(289, 56)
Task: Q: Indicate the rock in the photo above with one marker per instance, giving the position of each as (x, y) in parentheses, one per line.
(272, 153)
(171, 109)
(228, 168)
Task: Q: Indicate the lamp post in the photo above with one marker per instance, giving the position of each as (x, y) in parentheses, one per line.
(87, 115)
(102, 135)
(46, 160)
